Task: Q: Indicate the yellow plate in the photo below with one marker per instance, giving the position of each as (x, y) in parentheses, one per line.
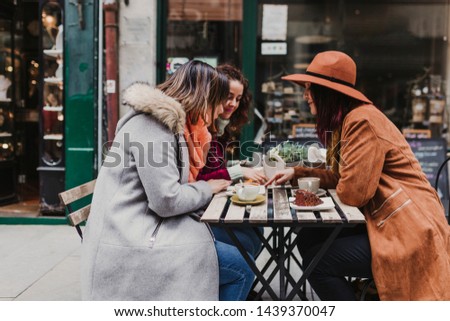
(259, 199)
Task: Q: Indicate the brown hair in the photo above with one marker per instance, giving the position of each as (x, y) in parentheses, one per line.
(332, 107)
(240, 116)
(196, 85)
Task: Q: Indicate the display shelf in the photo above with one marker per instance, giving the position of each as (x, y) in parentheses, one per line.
(53, 108)
(53, 137)
(5, 134)
(7, 100)
(53, 52)
(53, 81)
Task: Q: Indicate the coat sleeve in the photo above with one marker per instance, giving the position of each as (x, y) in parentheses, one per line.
(361, 163)
(221, 173)
(158, 172)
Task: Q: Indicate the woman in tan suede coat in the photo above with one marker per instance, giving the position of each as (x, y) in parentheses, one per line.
(406, 247)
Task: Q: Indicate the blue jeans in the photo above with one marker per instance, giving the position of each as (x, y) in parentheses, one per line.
(247, 236)
(348, 256)
(235, 276)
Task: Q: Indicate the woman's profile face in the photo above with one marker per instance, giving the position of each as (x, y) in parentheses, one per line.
(234, 97)
(308, 97)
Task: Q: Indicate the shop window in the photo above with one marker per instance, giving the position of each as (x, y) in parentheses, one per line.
(204, 30)
(400, 48)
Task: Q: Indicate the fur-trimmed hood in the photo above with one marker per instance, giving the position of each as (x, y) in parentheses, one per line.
(145, 99)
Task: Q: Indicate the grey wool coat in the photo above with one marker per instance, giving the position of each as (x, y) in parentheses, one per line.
(141, 242)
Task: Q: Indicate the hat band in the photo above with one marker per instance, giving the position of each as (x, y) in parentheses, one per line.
(342, 82)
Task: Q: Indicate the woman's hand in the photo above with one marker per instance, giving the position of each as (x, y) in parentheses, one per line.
(282, 177)
(218, 185)
(255, 174)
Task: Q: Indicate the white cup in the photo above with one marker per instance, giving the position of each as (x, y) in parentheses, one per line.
(272, 167)
(311, 184)
(247, 192)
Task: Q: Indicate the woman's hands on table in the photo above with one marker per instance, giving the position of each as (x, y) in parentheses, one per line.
(255, 174)
(282, 176)
(218, 185)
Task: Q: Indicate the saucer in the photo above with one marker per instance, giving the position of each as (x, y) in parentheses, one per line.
(231, 190)
(321, 192)
(259, 199)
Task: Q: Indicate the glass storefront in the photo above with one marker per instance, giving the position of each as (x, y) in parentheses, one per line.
(400, 48)
(204, 30)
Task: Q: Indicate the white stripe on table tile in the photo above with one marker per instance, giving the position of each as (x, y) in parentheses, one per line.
(215, 208)
(281, 208)
(235, 214)
(352, 213)
(330, 216)
(305, 217)
(258, 213)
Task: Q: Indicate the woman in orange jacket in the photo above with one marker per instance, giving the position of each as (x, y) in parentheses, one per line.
(406, 246)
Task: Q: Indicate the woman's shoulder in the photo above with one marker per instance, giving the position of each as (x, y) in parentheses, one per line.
(366, 113)
(146, 127)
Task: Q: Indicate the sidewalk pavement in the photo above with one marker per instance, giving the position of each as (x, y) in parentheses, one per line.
(39, 262)
(42, 263)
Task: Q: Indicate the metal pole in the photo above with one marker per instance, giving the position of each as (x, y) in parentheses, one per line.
(111, 9)
(100, 91)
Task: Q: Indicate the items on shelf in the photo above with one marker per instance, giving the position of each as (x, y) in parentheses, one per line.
(4, 85)
(284, 107)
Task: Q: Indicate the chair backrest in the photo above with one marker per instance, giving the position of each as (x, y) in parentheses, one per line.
(72, 195)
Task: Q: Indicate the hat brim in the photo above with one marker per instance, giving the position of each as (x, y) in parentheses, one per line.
(301, 79)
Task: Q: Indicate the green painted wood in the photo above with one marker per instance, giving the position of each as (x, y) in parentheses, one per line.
(80, 63)
(34, 220)
(249, 44)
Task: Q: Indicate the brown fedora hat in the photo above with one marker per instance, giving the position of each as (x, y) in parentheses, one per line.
(332, 69)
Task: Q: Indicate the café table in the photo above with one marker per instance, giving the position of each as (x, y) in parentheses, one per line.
(283, 222)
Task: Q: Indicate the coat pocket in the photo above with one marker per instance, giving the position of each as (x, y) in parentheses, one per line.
(391, 206)
(155, 232)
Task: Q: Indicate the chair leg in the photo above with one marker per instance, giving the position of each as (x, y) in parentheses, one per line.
(365, 288)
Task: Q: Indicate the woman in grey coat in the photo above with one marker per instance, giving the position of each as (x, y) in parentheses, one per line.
(142, 241)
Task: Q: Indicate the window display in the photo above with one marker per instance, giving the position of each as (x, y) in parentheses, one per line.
(52, 114)
(392, 43)
(7, 101)
(52, 106)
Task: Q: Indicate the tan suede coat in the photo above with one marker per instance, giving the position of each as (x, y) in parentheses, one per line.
(408, 232)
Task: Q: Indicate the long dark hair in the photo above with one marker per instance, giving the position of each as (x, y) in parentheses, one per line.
(240, 116)
(332, 107)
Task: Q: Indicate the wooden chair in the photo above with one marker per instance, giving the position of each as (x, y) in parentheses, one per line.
(77, 217)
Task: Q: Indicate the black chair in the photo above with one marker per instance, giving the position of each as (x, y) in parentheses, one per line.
(446, 199)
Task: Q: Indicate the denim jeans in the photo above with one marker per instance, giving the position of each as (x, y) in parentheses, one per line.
(235, 276)
(348, 256)
(247, 236)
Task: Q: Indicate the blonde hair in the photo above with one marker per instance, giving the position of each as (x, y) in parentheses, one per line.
(196, 85)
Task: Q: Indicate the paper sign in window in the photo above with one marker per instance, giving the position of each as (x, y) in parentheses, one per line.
(274, 22)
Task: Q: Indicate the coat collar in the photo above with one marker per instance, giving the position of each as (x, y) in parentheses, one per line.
(145, 99)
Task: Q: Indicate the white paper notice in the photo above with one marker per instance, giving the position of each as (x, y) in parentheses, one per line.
(274, 22)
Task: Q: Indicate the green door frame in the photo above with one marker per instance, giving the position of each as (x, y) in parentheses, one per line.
(249, 41)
